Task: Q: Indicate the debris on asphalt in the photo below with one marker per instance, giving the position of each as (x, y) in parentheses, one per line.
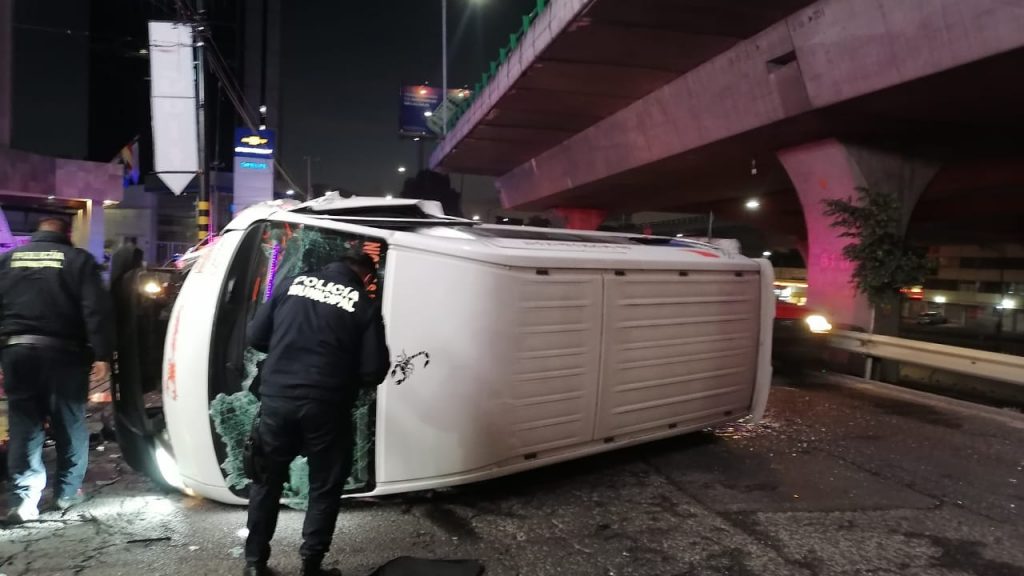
(745, 430)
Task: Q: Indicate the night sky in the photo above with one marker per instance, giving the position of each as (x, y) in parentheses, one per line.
(342, 66)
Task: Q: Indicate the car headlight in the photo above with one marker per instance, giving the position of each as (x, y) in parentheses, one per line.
(818, 324)
(168, 467)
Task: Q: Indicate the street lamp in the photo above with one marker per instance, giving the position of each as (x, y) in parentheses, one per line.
(289, 192)
(401, 169)
(753, 204)
(444, 67)
(766, 254)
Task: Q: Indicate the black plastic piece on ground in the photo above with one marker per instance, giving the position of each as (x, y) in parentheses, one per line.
(407, 566)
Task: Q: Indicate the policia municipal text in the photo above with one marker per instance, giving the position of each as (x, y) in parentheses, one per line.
(325, 340)
(55, 324)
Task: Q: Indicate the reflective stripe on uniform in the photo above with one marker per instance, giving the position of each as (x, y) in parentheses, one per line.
(37, 264)
(49, 255)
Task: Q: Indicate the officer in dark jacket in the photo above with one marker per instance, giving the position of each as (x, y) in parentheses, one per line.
(325, 340)
(55, 325)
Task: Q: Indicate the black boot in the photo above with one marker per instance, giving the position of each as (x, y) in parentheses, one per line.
(311, 567)
(256, 569)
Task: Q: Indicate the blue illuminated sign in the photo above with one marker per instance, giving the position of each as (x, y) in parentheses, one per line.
(251, 165)
(258, 144)
(416, 103)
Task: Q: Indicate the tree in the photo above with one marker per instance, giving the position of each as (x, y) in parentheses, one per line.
(430, 185)
(884, 262)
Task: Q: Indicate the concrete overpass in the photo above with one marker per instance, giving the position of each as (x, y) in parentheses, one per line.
(670, 104)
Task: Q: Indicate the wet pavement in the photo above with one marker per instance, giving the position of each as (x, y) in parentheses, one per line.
(839, 479)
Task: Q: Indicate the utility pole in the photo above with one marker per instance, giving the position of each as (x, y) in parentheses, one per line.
(204, 221)
(444, 67)
(309, 175)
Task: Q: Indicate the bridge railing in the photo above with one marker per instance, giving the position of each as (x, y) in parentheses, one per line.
(977, 363)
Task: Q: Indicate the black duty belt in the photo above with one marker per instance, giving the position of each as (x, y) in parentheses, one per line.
(42, 341)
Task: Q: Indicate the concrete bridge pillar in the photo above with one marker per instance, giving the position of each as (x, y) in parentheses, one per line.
(582, 218)
(833, 169)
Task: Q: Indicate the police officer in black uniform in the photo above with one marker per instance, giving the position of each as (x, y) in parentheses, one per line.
(325, 340)
(55, 328)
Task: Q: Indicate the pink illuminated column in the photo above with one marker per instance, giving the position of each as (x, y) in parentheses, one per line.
(582, 218)
(834, 169)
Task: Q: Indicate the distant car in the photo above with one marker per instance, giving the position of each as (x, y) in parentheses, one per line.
(799, 339)
(931, 318)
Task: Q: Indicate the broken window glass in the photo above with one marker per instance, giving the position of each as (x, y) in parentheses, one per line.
(287, 250)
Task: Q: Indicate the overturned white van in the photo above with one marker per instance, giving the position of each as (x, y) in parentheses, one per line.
(513, 347)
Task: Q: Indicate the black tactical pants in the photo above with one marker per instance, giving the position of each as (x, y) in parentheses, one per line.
(321, 431)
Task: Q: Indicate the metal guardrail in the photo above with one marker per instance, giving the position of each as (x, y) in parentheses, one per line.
(988, 365)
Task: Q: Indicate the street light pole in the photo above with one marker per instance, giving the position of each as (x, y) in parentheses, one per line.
(309, 176)
(204, 217)
(444, 67)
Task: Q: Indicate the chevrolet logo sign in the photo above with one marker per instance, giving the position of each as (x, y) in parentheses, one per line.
(254, 140)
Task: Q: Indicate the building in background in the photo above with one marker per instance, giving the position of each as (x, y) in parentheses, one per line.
(74, 91)
(45, 167)
(978, 288)
(246, 42)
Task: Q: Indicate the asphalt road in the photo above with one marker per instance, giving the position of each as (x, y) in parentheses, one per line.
(839, 479)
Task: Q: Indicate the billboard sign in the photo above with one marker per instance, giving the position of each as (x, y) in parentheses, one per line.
(417, 105)
(253, 182)
(447, 109)
(173, 93)
(254, 167)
